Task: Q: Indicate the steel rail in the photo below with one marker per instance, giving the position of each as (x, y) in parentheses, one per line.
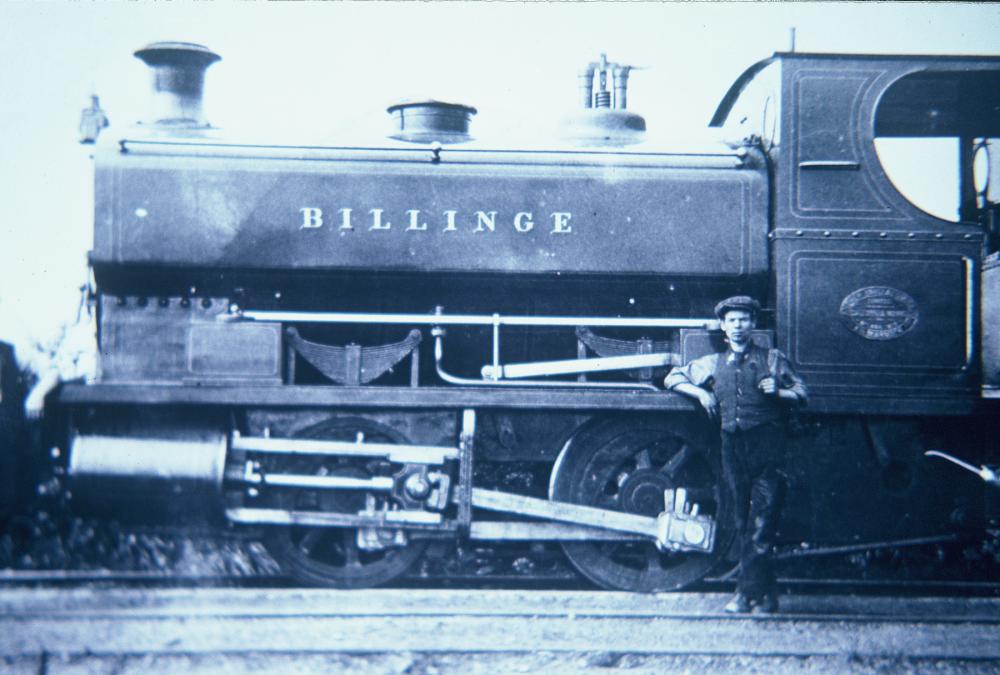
(859, 548)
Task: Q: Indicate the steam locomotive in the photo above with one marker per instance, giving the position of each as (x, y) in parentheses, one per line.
(356, 351)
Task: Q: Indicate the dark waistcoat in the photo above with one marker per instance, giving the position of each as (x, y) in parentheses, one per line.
(742, 404)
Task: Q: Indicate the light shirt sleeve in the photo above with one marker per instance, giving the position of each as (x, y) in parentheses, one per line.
(698, 372)
(77, 356)
(74, 356)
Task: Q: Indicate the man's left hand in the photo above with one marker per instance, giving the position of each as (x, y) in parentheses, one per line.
(768, 386)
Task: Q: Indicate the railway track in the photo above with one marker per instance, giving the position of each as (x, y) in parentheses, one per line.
(275, 580)
(382, 630)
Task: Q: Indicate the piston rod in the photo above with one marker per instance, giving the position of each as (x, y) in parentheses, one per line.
(253, 516)
(403, 454)
(323, 482)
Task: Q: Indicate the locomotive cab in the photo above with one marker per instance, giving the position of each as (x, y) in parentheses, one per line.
(883, 245)
(872, 290)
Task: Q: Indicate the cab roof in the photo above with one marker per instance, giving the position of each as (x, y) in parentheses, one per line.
(939, 95)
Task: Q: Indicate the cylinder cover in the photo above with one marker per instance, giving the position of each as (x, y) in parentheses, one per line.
(104, 467)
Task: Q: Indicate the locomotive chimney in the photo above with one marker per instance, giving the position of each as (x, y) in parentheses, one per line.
(178, 70)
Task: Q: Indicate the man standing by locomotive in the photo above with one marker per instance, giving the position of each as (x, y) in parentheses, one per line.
(744, 388)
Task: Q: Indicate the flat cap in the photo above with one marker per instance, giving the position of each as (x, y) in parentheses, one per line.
(743, 302)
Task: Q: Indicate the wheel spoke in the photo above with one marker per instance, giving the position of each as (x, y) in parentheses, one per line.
(309, 541)
(673, 465)
(652, 558)
(326, 556)
(643, 460)
(621, 465)
(350, 544)
(652, 569)
(607, 501)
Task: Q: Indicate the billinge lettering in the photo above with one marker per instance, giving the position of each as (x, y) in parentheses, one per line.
(345, 219)
(415, 224)
(377, 223)
(560, 222)
(312, 217)
(486, 221)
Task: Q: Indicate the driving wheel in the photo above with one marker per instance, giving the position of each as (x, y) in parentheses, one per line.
(625, 464)
(330, 556)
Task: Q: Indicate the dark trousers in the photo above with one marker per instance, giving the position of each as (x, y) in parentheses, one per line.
(751, 465)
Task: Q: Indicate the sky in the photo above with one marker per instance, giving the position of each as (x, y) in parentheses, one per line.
(325, 72)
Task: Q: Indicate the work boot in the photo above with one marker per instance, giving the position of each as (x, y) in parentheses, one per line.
(768, 604)
(740, 604)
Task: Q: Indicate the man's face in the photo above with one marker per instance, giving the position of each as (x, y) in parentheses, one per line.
(737, 324)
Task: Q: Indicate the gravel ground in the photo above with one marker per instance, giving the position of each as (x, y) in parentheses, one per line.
(551, 663)
(46, 541)
(50, 539)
